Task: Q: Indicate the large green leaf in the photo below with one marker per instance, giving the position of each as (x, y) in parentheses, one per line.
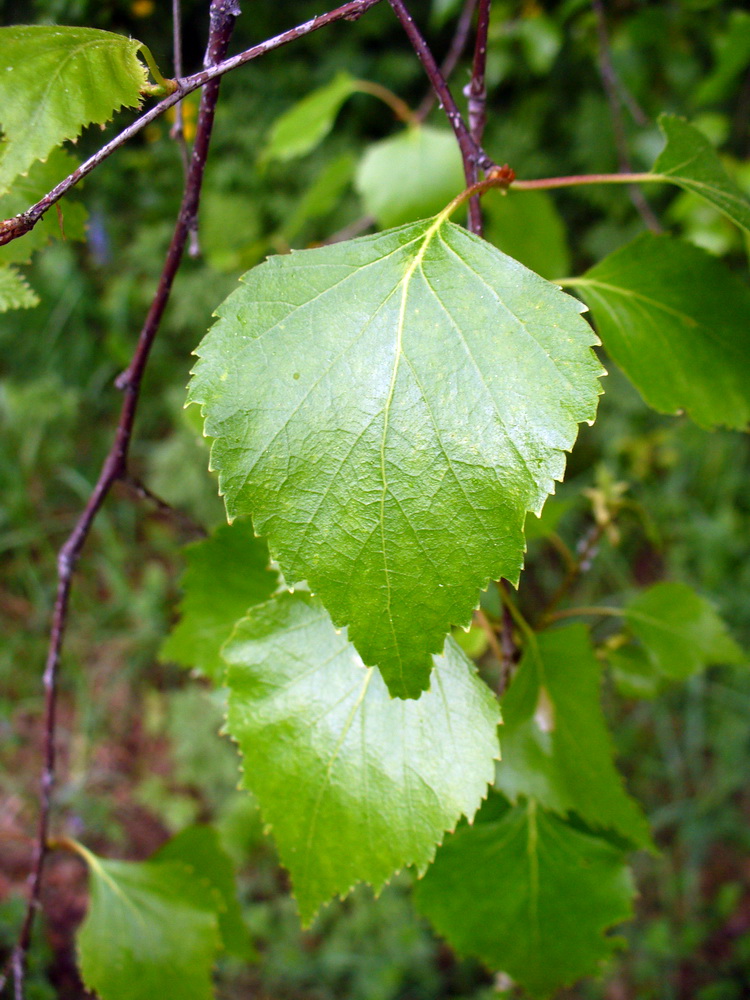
(410, 175)
(680, 630)
(388, 409)
(530, 895)
(556, 745)
(353, 784)
(151, 931)
(14, 292)
(689, 160)
(307, 123)
(226, 574)
(678, 323)
(54, 81)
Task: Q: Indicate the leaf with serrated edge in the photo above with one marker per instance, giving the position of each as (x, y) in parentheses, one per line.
(56, 80)
(388, 409)
(530, 895)
(151, 931)
(676, 321)
(680, 630)
(556, 745)
(689, 160)
(353, 785)
(226, 575)
(14, 292)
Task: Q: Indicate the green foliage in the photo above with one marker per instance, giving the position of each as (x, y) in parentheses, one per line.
(305, 125)
(353, 784)
(526, 225)
(53, 82)
(526, 884)
(421, 372)
(14, 292)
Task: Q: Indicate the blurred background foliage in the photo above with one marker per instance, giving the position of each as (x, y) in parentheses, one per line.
(140, 754)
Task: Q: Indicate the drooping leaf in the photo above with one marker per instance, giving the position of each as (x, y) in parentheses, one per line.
(676, 321)
(530, 895)
(680, 630)
(14, 292)
(388, 409)
(556, 745)
(56, 80)
(199, 850)
(529, 229)
(410, 176)
(353, 785)
(226, 575)
(300, 129)
(66, 221)
(689, 160)
(151, 930)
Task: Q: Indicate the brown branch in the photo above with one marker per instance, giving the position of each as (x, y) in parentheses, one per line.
(455, 51)
(223, 14)
(11, 229)
(476, 93)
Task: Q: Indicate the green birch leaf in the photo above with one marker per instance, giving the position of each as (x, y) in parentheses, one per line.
(56, 80)
(633, 672)
(689, 160)
(676, 321)
(151, 931)
(410, 176)
(530, 895)
(199, 850)
(300, 129)
(68, 223)
(388, 409)
(556, 745)
(680, 630)
(226, 575)
(14, 292)
(354, 785)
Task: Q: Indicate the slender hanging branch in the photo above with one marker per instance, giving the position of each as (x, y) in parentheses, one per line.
(223, 14)
(476, 92)
(19, 225)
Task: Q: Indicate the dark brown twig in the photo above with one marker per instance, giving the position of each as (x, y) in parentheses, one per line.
(223, 14)
(476, 93)
(11, 229)
(455, 51)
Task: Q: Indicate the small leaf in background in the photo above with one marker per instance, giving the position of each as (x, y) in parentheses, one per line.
(353, 785)
(676, 321)
(322, 196)
(410, 176)
(151, 930)
(680, 630)
(689, 160)
(56, 80)
(67, 221)
(530, 895)
(300, 129)
(529, 229)
(388, 409)
(14, 292)
(634, 673)
(732, 54)
(198, 848)
(226, 575)
(556, 745)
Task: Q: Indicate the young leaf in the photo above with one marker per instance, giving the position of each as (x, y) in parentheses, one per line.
(151, 931)
(306, 124)
(353, 784)
(556, 745)
(54, 81)
(676, 321)
(680, 631)
(388, 409)
(530, 895)
(689, 160)
(226, 574)
(14, 292)
(410, 176)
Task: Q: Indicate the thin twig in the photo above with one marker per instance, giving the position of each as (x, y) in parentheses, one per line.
(455, 51)
(174, 513)
(507, 640)
(223, 16)
(11, 229)
(476, 93)
(472, 154)
(614, 91)
(585, 553)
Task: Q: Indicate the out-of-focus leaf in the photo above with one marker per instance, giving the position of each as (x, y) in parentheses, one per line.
(732, 51)
(634, 673)
(14, 292)
(300, 129)
(323, 194)
(529, 229)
